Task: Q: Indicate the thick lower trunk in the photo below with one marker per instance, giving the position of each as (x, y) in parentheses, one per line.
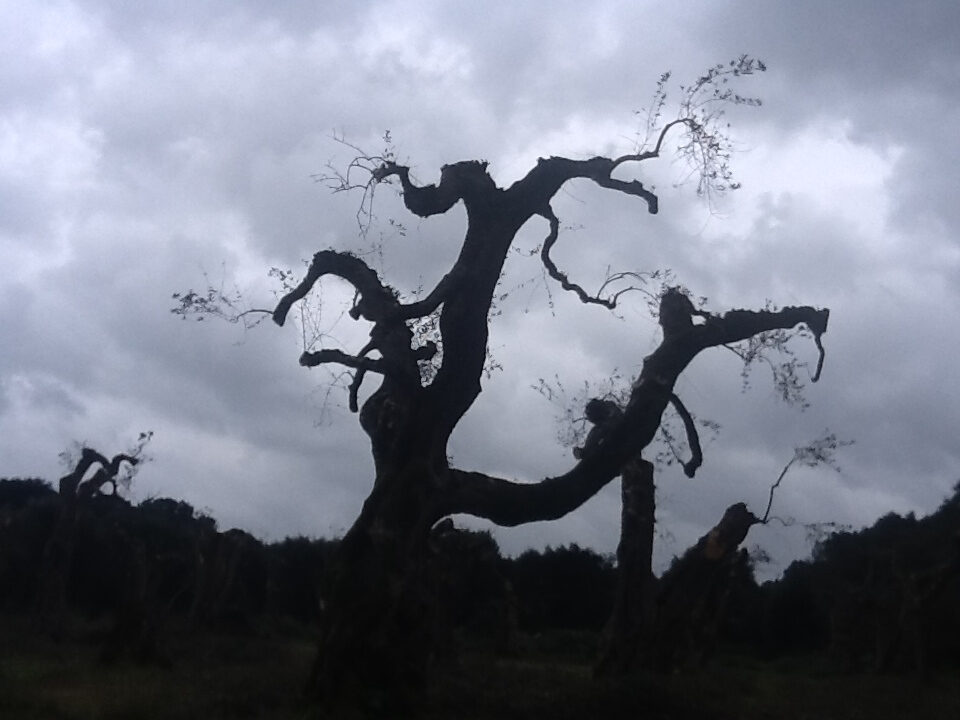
(631, 621)
(370, 654)
(378, 617)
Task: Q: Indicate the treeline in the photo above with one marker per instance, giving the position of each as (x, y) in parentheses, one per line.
(884, 598)
(139, 567)
(161, 553)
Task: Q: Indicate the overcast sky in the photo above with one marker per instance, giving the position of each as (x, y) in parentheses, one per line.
(146, 146)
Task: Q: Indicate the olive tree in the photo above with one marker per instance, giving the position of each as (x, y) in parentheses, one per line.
(376, 627)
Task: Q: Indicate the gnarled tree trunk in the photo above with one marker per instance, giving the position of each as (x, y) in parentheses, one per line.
(376, 627)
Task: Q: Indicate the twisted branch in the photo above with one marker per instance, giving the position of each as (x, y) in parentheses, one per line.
(693, 438)
(376, 300)
(559, 275)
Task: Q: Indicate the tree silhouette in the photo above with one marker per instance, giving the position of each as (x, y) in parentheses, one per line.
(76, 489)
(375, 625)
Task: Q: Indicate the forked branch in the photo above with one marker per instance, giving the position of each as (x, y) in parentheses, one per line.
(375, 302)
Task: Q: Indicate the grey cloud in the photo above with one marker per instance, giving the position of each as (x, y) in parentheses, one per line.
(168, 141)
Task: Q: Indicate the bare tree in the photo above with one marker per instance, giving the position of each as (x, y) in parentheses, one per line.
(374, 628)
(76, 488)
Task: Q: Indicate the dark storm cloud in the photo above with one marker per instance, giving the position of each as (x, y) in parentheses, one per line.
(144, 146)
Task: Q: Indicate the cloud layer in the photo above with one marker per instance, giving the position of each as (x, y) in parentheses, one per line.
(149, 150)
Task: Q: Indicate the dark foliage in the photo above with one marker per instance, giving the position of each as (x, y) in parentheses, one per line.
(296, 572)
(160, 557)
(881, 599)
(475, 600)
(15, 493)
(884, 598)
(795, 621)
(28, 512)
(569, 588)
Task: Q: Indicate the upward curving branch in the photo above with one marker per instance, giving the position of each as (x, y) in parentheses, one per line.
(376, 300)
(506, 502)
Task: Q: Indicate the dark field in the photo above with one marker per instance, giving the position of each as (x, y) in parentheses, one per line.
(261, 674)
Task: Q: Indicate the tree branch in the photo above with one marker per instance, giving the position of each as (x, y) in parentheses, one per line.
(693, 438)
(820, 451)
(422, 308)
(355, 389)
(539, 185)
(457, 182)
(556, 273)
(377, 300)
(329, 355)
(773, 489)
(70, 484)
(683, 339)
(510, 503)
(737, 325)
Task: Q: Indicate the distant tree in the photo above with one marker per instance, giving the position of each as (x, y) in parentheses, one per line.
(15, 493)
(171, 531)
(474, 600)
(91, 473)
(297, 570)
(795, 620)
(886, 588)
(568, 588)
(879, 599)
(28, 513)
(232, 584)
(375, 626)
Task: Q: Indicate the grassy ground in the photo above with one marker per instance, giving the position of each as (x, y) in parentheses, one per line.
(561, 691)
(262, 675)
(211, 676)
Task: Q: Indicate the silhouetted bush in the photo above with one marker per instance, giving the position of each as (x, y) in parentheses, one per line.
(28, 512)
(472, 594)
(795, 620)
(569, 588)
(296, 569)
(882, 598)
